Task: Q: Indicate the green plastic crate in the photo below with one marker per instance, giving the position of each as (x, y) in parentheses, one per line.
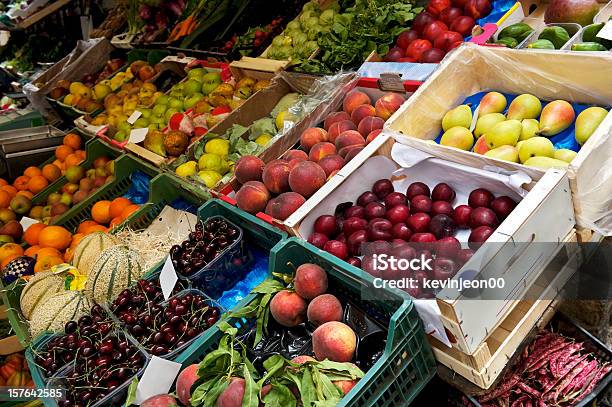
(94, 149)
(407, 363)
(10, 295)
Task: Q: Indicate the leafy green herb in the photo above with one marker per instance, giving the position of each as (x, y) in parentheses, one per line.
(131, 393)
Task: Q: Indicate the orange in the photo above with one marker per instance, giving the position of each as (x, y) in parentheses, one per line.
(37, 183)
(59, 164)
(3, 182)
(72, 140)
(76, 238)
(7, 260)
(129, 210)
(27, 194)
(72, 160)
(10, 189)
(5, 199)
(21, 182)
(68, 254)
(63, 151)
(46, 262)
(115, 221)
(96, 228)
(81, 154)
(51, 172)
(9, 249)
(32, 251)
(118, 205)
(100, 212)
(32, 171)
(84, 226)
(31, 233)
(48, 252)
(55, 236)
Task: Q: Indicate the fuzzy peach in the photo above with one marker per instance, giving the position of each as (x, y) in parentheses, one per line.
(303, 359)
(288, 308)
(334, 341)
(295, 155)
(347, 140)
(184, 381)
(284, 205)
(306, 178)
(275, 176)
(339, 127)
(324, 308)
(353, 99)
(352, 153)
(248, 168)
(310, 281)
(331, 163)
(312, 136)
(361, 112)
(334, 118)
(388, 104)
(320, 150)
(252, 197)
(373, 134)
(369, 124)
(345, 385)
(233, 394)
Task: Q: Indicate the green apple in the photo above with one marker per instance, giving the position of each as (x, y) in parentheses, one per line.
(124, 126)
(196, 73)
(146, 113)
(210, 81)
(141, 123)
(157, 120)
(536, 147)
(191, 86)
(169, 114)
(192, 100)
(176, 103)
(159, 110)
(162, 100)
(121, 136)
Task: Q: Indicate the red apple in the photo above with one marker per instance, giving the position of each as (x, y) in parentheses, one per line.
(483, 217)
(318, 240)
(463, 25)
(443, 192)
(395, 198)
(433, 30)
(420, 203)
(398, 213)
(326, 225)
(441, 208)
(416, 48)
(480, 197)
(418, 222)
(422, 20)
(406, 37)
(502, 206)
(337, 248)
(461, 216)
(417, 188)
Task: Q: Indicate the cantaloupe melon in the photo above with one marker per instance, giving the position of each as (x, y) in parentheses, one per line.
(57, 310)
(38, 290)
(116, 269)
(90, 248)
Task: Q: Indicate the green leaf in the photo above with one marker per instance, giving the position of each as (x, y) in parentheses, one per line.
(215, 391)
(308, 390)
(279, 396)
(131, 393)
(198, 395)
(247, 311)
(268, 286)
(251, 389)
(273, 364)
(225, 327)
(260, 321)
(338, 367)
(211, 359)
(329, 390)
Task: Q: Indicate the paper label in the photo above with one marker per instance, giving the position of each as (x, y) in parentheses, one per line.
(606, 31)
(138, 135)
(134, 116)
(391, 81)
(474, 119)
(156, 379)
(27, 222)
(287, 124)
(167, 278)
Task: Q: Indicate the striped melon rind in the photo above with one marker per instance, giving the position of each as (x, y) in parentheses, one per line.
(90, 248)
(38, 290)
(116, 269)
(57, 310)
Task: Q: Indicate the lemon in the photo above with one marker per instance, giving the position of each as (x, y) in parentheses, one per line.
(187, 169)
(217, 146)
(211, 162)
(210, 178)
(263, 140)
(283, 117)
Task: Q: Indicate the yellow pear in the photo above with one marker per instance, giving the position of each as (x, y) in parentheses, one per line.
(458, 137)
(461, 116)
(565, 154)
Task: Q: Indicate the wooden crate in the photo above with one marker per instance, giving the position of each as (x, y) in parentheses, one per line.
(546, 74)
(485, 366)
(9, 344)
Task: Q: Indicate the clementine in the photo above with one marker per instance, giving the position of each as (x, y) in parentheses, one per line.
(63, 151)
(21, 182)
(48, 252)
(59, 164)
(76, 238)
(129, 210)
(7, 260)
(32, 171)
(118, 205)
(72, 140)
(10, 189)
(115, 221)
(45, 263)
(100, 212)
(72, 160)
(9, 249)
(3, 182)
(37, 183)
(55, 236)
(96, 228)
(32, 250)
(51, 172)
(5, 199)
(84, 226)
(81, 154)
(31, 233)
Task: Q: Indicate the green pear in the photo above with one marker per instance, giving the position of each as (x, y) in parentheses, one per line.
(524, 106)
(564, 154)
(587, 121)
(492, 102)
(506, 153)
(461, 116)
(556, 116)
(504, 134)
(458, 137)
(486, 123)
(545, 162)
(536, 147)
(530, 129)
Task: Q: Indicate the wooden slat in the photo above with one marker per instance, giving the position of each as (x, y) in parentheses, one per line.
(44, 12)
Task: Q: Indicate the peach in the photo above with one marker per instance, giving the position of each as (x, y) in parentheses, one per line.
(161, 400)
(361, 112)
(481, 146)
(79, 196)
(345, 385)
(295, 155)
(352, 153)
(312, 136)
(184, 381)
(334, 118)
(85, 184)
(249, 168)
(320, 150)
(353, 99)
(253, 197)
(276, 176)
(373, 135)
(388, 104)
(306, 178)
(288, 308)
(324, 308)
(264, 391)
(233, 394)
(310, 281)
(348, 140)
(334, 341)
(331, 163)
(284, 205)
(369, 124)
(303, 359)
(339, 127)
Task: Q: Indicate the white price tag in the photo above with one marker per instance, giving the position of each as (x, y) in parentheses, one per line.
(287, 124)
(27, 222)
(156, 379)
(138, 135)
(134, 116)
(167, 278)
(606, 31)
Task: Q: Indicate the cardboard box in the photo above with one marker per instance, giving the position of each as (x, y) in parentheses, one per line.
(546, 74)
(522, 244)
